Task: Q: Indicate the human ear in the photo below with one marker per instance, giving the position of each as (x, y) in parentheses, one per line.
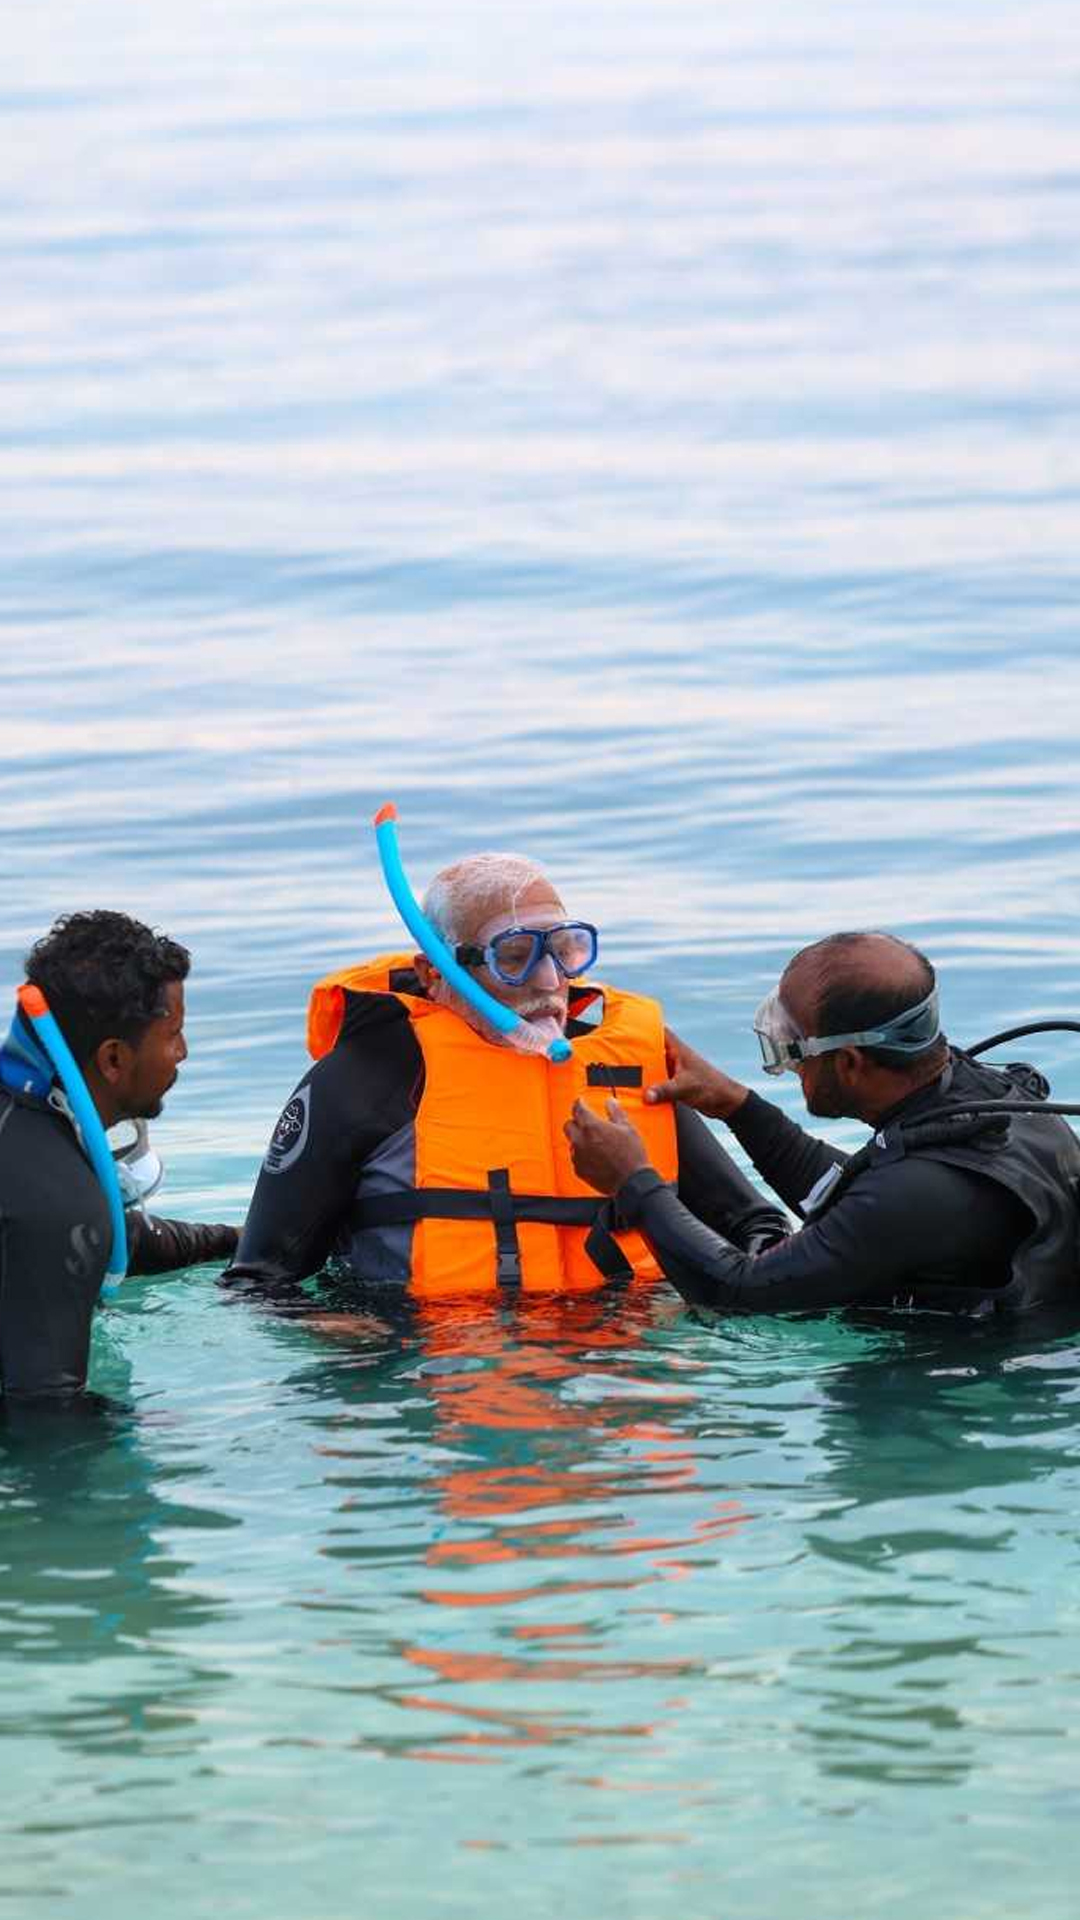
(111, 1059)
(850, 1066)
(425, 972)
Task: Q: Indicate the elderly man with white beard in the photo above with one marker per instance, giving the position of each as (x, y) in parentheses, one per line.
(424, 1152)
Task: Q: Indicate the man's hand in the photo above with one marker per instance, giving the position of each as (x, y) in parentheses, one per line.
(604, 1152)
(695, 1083)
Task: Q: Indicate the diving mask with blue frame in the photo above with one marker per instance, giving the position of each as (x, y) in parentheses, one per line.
(514, 955)
(784, 1047)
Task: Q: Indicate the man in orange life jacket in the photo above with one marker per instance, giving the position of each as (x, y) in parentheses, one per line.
(426, 1152)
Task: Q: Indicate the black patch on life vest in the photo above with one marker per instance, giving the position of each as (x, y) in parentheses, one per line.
(598, 1075)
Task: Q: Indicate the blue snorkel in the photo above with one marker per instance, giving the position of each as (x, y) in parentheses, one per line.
(434, 946)
(35, 1009)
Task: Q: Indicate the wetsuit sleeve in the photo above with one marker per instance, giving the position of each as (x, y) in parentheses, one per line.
(916, 1218)
(161, 1246)
(717, 1192)
(346, 1106)
(785, 1155)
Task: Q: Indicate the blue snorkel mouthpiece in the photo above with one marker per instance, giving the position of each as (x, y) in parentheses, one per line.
(35, 1009)
(434, 946)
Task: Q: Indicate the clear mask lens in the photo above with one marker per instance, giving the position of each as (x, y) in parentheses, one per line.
(782, 1044)
(515, 954)
(138, 1167)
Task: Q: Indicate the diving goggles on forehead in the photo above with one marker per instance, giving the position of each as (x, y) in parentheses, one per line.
(783, 1045)
(514, 955)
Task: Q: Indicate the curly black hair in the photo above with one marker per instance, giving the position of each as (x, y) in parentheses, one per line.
(104, 975)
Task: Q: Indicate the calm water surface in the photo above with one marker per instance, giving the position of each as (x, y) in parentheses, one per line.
(644, 436)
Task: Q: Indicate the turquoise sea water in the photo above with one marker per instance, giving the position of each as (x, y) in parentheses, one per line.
(643, 436)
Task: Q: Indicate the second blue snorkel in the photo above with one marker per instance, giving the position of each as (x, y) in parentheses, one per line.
(35, 1010)
(434, 946)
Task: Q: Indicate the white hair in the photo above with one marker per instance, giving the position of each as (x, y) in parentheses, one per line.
(473, 890)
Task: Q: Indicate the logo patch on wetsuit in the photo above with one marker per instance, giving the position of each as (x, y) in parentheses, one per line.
(84, 1258)
(290, 1134)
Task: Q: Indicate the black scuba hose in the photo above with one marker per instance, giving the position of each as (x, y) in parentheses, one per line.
(1007, 1106)
(1017, 1106)
(1017, 1033)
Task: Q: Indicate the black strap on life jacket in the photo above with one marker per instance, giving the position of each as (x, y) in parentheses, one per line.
(602, 1247)
(507, 1250)
(461, 1203)
(505, 1210)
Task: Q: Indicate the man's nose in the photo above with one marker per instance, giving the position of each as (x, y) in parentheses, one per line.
(545, 974)
(181, 1047)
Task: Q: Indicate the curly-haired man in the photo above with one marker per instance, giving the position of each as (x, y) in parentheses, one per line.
(116, 990)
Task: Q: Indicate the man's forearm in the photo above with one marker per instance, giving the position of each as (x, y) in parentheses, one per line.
(161, 1246)
(815, 1268)
(911, 1224)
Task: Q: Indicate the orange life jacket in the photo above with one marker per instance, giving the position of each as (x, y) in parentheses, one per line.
(496, 1200)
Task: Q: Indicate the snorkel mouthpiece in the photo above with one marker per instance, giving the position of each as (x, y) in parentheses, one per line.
(35, 1008)
(432, 944)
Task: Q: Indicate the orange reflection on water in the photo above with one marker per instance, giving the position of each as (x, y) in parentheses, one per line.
(547, 1456)
(493, 1726)
(578, 1455)
(510, 1596)
(469, 1667)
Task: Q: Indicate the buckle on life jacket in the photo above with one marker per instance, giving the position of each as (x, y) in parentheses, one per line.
(507, 1249)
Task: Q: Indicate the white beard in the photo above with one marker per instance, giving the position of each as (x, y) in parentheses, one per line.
(528, 1036)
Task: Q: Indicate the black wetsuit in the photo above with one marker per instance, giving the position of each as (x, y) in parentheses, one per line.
(54, 1241)
(367, 1090)
(991, 1225)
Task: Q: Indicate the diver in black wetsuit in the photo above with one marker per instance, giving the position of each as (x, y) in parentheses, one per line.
(941, 1210)
(116, 991)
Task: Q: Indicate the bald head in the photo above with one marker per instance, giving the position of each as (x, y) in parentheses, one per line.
(852, 982)
(859, 963)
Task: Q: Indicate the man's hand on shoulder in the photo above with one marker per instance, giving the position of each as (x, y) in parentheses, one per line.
(604, 1152)
(694, 1082)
